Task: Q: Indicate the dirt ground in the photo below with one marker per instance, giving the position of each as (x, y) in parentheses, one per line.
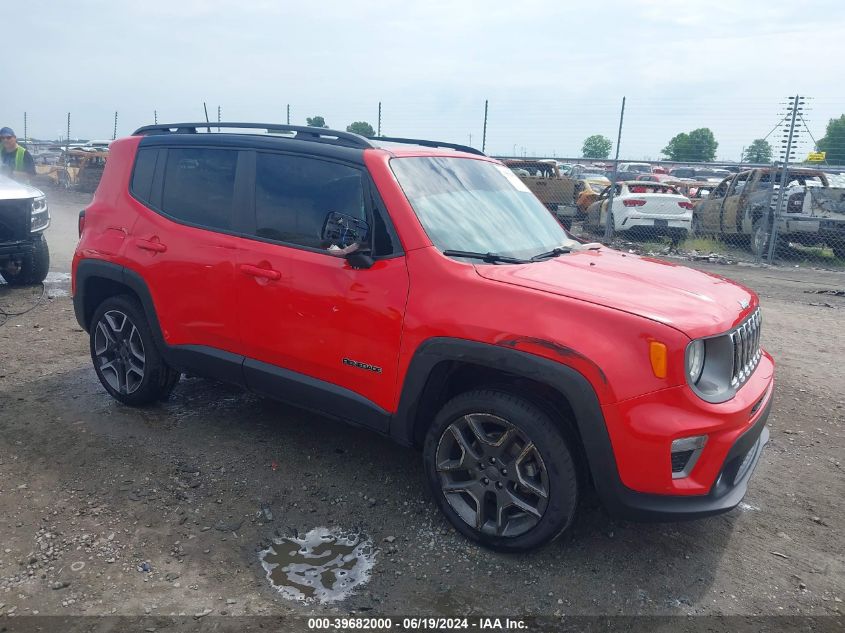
(110, 510)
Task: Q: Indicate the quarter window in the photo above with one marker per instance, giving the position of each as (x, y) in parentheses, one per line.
(199, 186)
(142, 176)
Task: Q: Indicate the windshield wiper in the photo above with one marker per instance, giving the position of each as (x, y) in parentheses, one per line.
(490, 258)
(555, 252)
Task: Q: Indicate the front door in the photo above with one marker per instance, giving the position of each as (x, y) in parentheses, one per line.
(306, 313)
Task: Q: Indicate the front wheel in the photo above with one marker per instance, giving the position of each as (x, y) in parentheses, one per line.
(760, 235)
(125, 355)
(501, 471)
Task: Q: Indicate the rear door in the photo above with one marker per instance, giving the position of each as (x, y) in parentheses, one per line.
(306, 313)
(182, 242)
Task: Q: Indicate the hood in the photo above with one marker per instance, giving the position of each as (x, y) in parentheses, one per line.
(13, 190)
(694, 302)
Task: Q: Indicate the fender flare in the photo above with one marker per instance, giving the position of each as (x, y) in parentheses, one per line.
(567, 381)
(91, 269)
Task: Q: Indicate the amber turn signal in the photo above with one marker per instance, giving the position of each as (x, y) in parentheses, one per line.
(657, 355)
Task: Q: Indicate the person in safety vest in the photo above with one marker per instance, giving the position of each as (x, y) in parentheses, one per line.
(15, 160)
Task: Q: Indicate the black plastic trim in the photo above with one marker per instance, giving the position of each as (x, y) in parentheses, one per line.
(313, 394)
(257, 142)
(306, 133)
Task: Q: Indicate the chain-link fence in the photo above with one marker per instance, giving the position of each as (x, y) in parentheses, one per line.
(752, 181)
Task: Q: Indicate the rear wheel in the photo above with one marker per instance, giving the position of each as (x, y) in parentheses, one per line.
(501, 471)
(125, 356)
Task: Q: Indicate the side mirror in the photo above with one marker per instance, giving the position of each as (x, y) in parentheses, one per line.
(360, 258)
(343, 230)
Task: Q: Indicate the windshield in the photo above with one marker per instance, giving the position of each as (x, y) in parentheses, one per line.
(474, 205)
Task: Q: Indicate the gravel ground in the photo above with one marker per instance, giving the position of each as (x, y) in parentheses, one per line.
(110, 510)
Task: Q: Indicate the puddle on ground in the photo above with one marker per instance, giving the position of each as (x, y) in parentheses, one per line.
(323, 565)
(57, 284)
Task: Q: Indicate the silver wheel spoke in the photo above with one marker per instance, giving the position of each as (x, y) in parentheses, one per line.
(119, 352)
(476, 466)
(521, 478)
(514, 500)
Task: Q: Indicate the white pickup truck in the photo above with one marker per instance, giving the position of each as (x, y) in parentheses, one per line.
(24, 216)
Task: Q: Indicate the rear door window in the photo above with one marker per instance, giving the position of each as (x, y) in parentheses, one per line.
(199, 186)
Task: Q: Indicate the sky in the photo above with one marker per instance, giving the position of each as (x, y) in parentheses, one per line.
(553, 73)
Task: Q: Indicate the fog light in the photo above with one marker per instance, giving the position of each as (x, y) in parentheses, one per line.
(685, 452)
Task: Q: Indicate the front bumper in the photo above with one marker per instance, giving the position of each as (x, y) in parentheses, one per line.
(729, 489)
(18, 249)
(641, 431)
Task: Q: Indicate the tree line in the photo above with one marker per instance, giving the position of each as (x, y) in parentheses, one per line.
(698, 145)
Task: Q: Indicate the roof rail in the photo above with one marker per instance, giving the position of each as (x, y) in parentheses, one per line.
(303, 133)
(415, 141)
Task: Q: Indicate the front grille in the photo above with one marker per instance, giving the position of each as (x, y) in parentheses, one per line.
(746, 345)
(14, 220)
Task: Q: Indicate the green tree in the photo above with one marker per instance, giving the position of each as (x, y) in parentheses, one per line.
(316, 121)
(758, 152)
(596, 146)
(696, 146)
(833, 141)
(361, 127)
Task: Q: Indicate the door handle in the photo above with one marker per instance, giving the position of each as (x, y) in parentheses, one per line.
(149, 245)
(263, 273)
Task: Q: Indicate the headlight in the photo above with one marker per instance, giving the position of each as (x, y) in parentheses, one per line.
(40, 215)
(695, 361)
(717, 366)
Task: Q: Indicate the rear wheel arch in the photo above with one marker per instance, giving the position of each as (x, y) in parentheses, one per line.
(97, 280)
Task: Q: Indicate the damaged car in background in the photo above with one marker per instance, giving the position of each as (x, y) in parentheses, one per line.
(745, 204)
(24, 216)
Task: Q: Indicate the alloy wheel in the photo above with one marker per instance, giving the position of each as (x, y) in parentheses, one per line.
(119, 352)
(492, 475)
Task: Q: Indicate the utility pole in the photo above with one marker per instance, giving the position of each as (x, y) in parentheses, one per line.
(218, 118)
(470, 139)
(484, 133)
(205, 107)
(794, 108)
(155, 117)
(24, 127)
(114, 133)
(378, 133)
(67, 154)
(608, 225)
(288, 114)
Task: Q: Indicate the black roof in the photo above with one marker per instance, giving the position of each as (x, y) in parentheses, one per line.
(269, 135)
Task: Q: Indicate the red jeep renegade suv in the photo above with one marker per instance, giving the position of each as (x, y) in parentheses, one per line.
(420, 290)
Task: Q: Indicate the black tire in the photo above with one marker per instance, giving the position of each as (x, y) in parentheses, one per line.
(34, 267)
(118, 351)
(543, 455)
(761, 235)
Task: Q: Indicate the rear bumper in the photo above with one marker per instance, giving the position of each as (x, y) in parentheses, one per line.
(664, 222)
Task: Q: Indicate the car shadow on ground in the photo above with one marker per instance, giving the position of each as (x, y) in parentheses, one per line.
(249, 452)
